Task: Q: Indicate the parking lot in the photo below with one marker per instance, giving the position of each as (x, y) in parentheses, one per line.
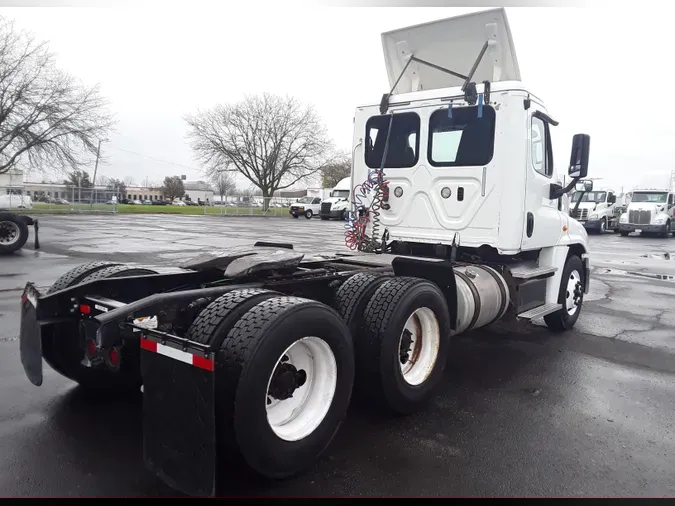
(521, 411)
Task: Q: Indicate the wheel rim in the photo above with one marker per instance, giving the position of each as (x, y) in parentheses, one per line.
(574, 293)
(301, 388)
(418, 346)
(9, 233)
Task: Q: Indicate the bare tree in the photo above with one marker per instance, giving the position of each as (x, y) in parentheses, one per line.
(223, 182)
(173, 187)
(273, 141)
(337, 171)
(48, 120)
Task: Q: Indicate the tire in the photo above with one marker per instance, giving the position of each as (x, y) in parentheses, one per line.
(249, 355)
(378, 353)
(13, 233)
(603, 226)
(573, 272)
(66, 353)
(343, 215)
(666, 230)
(74, 276)
(353, 296)
(624, 234)
(325, 218)
(217, 319)
(309, 214)
(295, 216)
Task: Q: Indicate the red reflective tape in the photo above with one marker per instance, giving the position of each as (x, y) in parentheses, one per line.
(146, 344)
(202, 363)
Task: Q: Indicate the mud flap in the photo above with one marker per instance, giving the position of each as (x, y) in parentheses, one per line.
(30, 336)
(179, 423)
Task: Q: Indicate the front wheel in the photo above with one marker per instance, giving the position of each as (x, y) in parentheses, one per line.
(295, 216)
(571, 296)
(624, 234)
(603, 226)
(309, 214)
(666, 230)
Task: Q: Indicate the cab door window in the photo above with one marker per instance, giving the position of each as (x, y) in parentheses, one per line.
(542, 158)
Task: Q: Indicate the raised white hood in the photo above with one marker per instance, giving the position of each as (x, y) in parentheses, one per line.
(454, 44)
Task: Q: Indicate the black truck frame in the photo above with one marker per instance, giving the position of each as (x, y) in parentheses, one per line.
(188, 336)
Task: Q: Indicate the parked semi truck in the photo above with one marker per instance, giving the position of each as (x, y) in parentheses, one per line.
(652, 206)
(250, 356)
(338, 204)
(599, 210)
(14, 228)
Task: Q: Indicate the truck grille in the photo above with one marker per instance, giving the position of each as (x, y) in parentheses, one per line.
(581, 215)
(325, 207)
(639, 217)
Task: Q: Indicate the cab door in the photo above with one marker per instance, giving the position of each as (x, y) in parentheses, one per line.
(543, 221)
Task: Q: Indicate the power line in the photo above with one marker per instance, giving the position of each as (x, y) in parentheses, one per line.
(153, 158)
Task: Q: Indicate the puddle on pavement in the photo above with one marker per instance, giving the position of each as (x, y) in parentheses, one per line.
(659, 256)
(651, 275)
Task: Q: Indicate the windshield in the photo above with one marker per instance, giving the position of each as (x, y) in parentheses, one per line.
(657, 198)
(340, 193)
(305, 200)
(596, 197)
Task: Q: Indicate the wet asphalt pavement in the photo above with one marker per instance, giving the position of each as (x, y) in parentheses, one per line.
(522, 412)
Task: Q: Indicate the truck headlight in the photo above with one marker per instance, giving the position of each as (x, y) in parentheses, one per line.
(593, 216)
(659, 220)
(624, 218)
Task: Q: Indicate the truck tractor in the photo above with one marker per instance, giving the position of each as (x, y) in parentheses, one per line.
(14, 227)
(650, 211)
(250, 356)
(598, 210)
(337, 206)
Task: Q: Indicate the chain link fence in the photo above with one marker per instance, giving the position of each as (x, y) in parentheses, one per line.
(72, 200)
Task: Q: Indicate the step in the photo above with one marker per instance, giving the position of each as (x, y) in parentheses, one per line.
(531, 271)
(541, 311)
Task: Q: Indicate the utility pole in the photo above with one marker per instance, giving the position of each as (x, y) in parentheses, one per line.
(98, 154)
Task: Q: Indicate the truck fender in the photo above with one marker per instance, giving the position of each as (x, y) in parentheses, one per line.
(439, 272)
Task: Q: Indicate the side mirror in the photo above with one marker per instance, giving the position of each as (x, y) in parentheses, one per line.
(581, 144)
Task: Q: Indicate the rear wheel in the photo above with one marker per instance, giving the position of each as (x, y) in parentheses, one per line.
(624, 234)
(13, 233)
(570, 295)
(403, 347)
(66, 351)
(286, 374)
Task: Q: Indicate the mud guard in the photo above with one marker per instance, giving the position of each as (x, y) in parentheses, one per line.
(440, 272)
(179, 422)
(30, 336)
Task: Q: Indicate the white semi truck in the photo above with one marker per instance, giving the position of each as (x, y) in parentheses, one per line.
(598, 210)
(652, 207)
(251, 355)
(338, 204)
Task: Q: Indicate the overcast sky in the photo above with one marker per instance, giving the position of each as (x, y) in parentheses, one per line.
(600, 72)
